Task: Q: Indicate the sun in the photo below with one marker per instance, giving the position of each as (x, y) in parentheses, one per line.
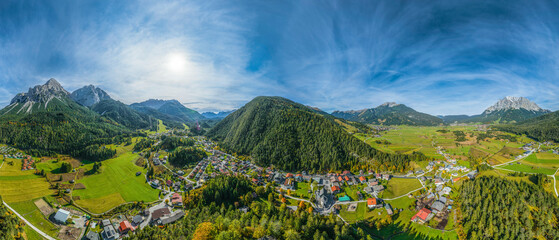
(176, 62)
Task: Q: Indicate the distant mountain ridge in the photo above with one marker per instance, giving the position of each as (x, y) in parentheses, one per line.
(216, 115)
(506, 110)
(89, 95)
(173, 108)
(389, 113)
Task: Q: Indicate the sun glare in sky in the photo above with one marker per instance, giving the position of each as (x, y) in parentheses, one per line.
(176, 62)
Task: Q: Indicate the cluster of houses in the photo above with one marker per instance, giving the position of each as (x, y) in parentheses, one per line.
(160, 216)
(199, 171)
(159, 161)
(28, 163)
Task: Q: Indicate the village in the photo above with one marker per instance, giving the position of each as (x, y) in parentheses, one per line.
(327, 193)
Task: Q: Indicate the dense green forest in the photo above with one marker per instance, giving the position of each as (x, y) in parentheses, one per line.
(186, 155)
(96, 153)
(496, 208)
(144, 143)
(172, 142)
(262, 218)
(10, 225)
(276, 131)
(124, 115)
(542, 128)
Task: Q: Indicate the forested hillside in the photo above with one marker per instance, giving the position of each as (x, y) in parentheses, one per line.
(45, 121)
(495, 208)
(124, 115)
(276, 131)
(542, 128)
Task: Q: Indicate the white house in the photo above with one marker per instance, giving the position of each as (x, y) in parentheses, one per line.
(61, 216)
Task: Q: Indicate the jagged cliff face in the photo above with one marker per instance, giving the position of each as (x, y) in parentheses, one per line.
(89, 95)
(41, 93)
(508, 103)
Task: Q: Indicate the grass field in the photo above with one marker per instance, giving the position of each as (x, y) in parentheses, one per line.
(529, 169)
(400, 186)
(362, 213)
(161, 128)
(29, 211)
(31, 234)
(407, 139)
(116, 184)
(17, 185)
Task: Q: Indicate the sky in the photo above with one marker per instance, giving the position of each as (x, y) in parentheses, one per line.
(439, 57)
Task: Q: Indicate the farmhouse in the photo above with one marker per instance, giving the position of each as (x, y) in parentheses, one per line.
(373, 203)
(176, 199)
(159, 213)
(423, 216)
(125, 226)
(61, 216)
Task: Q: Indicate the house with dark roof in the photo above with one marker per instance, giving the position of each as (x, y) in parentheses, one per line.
(159, 213)
(388, 209)
(91, 235)
(136, 220)
(172, 218)
(109, 233)
(437, 207)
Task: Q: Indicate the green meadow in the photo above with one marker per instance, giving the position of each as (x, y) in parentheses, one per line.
(116, 184)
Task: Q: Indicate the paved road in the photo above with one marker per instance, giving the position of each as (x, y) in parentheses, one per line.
(555, 183)
(28, 223)
(151, 209)
(518, 159)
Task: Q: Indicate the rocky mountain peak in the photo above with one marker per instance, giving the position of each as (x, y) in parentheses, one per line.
(389, 104)
(89, 95)
(41, 93)
(510, 102)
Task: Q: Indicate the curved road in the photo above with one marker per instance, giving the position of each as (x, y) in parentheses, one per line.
(28, 223)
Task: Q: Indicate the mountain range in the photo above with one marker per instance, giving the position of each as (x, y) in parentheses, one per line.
(507, 110)
(389, 113)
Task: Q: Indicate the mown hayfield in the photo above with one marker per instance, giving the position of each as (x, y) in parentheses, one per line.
(30, 212)
(17, 185)
(399, 186)
(534, 159)
(529, 169)
(117, 183)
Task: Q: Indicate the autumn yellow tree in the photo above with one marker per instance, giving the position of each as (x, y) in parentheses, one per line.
(204, 231)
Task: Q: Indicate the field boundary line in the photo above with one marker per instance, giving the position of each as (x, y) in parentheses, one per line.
(28, 223)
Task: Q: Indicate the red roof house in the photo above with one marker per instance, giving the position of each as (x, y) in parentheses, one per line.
(125, 226)
(421, 216)
(336, 189)
(176, 199)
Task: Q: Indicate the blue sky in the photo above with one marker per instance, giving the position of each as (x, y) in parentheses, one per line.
(439, 57)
